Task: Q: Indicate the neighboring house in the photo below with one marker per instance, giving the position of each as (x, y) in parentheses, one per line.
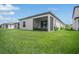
(17, 25)
(10, 25)
(44, 21)
(7, 25)
(0, 25)
(75, 17)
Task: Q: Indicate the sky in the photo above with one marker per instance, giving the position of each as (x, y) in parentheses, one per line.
(13, 12)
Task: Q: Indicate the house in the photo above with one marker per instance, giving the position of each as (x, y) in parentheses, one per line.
(10, 25)
(0, 25)
(16, 24)
(75, 18)
(44, 21)
(7, 25)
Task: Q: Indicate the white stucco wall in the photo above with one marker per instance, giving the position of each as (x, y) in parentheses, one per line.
(28, 23)
(11, 26)
(2, 26)
(57, 23)
(75, 24)
(76, 12)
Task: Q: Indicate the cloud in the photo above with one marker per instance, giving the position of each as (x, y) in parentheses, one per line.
(6, 18)
(8, 13)
(8, 7)
(1, 17)
(52, 9)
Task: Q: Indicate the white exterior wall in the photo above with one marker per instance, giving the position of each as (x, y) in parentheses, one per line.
(75, 21)
(75, 24)
(12, 26)
(57, 23)
(28, 23)
(76, 12)
(62, 25)
(2, 26)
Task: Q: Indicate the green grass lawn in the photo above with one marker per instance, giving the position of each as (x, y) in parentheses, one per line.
(20, 41)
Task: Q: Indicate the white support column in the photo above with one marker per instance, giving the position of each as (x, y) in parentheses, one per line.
(48, 23)
(54, 23)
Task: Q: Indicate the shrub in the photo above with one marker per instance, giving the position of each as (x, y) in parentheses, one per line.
(61, 28)
(68, 27)
(56, 28)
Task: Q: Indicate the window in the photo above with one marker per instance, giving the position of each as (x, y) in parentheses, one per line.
(24, 24)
